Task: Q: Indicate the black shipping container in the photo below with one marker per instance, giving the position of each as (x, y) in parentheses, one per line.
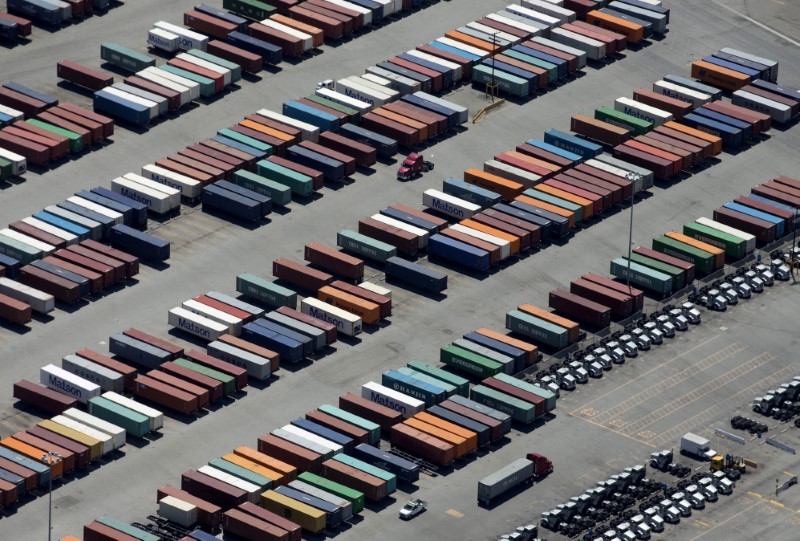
(231, 203)
(137, 352)
(416, 275)
(139, 244)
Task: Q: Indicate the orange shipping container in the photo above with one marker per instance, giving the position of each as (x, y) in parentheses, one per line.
(459, 444)
(508, 189)
(555, 168)
(469, 435)
(512, 239)
(573, 329)
(633, 32)
(724, 78)
(287, 470)
(56, 468)
(718, 253)
(369, 312)
(421, 127)
(569, 215)
(715, 141)
(254, 467)
(586, 205)
(317, 34)
(469, 40)
(531, 351)
(267, 130)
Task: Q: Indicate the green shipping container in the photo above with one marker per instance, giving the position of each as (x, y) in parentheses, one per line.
(75, 140)
(133, 422)
(353, 496)
(228, 381)
(383, 475)
(354, 114)
(461, 384)
(236, 136)
(735, 247)
(617, 118)
(539, 330)
(374, 429)
(365, 246)
(280, 194)
(242, 473)
(510, 84)
(207, 88)
(125, 58)
(6, 169)
(642, 276)
(18, 250)
(236, 69)
(252, 9)
(469, 362)
(265, 291)
(557, 201)
(678, 275)
(529, 387)
(519, 410)
(299, 183)
(449, 388)
(127, 529)
(552, 69)
(703, 261)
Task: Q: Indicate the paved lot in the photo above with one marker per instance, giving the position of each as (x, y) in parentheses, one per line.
(740, 352)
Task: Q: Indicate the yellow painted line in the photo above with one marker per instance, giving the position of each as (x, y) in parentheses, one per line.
(700, 522)
(617, 432)
(756, 494)
(789, 474)
(775, 502)
(454, 513)
(726, 520)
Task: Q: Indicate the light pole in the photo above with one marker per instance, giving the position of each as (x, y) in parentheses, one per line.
(50, 458)
(634, 178)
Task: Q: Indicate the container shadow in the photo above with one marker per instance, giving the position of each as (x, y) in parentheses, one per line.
(506, 496)
(186, 337)
(249, 77)
(450, 265)
(250, 226)
(155, 265)
(349, 340)
(14, 327)
(296, 367)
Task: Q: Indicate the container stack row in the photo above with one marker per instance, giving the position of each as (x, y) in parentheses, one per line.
(53, 13)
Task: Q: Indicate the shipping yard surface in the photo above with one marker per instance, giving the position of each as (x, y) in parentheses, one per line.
(694, 382)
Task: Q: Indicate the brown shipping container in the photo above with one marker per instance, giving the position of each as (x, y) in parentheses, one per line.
(335, 261)
(332, 28)
(76, 259)
(407, 243)
(676, 161)
(695, 152)
(288, 471)
(598, 130)
(228, 309)
(200, 176)
(370, 411)
(794, 104)
(96, 531)
(470, 436)
(179, 383)
(68, 458)
(174, 350)
(278, 145)
(436, 124)
(83, 76)
(523, 235)
(208, 514)
(291, 45)
(296, 134)
(294, 530)
(249, 159)
(580, 308)
(299, 457)
(95, 128)
(787, 216)
(25, 449)
(271, 356)
(22, 103)
(724, 78)
(464, 62)
(357, 433)
(492, 249)
(329, 328)
(661, 168)
(507, 189)
(8, 494)
(459, 443)
(63, 290)
(348, 161)
(347, 23)
(80, 451)
(474, 42)
(300, 275)
(50, 118)
(539, 403)
(106, 122)
(173, 96)
(34, 153)
(95, 278)
(369, 312)
(685, 266)
(677, 108)
(621, 305)
(25, 26)
(595, 201)
(573, 329)
(494, 425)
(43, 398)
(61, 142)
(605, 193)
(226, 368)
(236, 163)
(685, 158)
(761, 229)
(25, 473)
(197, 165)
(384, 303)
(715, 141)
(422, 445)
(420, 127)
(788, 181)
(200, 383)
(374, 489)
(316, 33)
(435, 77)
(110, 256)
(782, 188)
(218, 78)
(55, 151)
(572, 60)
(532, 165)
(637, 294)
(508, 29)
(128, 372)
(165, 395)
(613, 44)
(404, 135)
(533, 230)
(706, 147)
(212, 490)
(364, 154)
(249, 527)
(621, 187)
(35, 232)
(541, 154)
(249, 62)
(78, 6)
(14, 311)
(226, 168)
(317, 178)
(356, 16)
(207, 24)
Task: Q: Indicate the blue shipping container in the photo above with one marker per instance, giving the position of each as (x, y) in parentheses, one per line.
(731, 137)
(135, 113)
(779, 222)
(325, 432)
(230, 203)
(384, 146)
(572, 144)
(458, 252)
(299, 111)
(140, 244)
(283, 330)
(332, 170)
(288, 349)
(271, 54)
(470, 192)
(405, 470)
(139, 209)
(415, 275)
(125, 210)
(81, 232)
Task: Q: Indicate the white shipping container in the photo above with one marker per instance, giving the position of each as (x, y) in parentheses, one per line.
(623, 169)
(516, 174)
(194, 87)
(95, 228)
(160, 77)
(253, 490)
(311, 490)
(533, 15)
(642, 111)
(554, 10)
(355, 90)
(151, 105)
(117, 433)
(779, 112)
(174, 194)
(595, 50)
(375, 288)
(581, 54)
(68, 237)
(308, 40)
(333, 446)
(480, 53)
(13, 113)
(106, 440)
(178, 511)
(346, 323)
(216, 68)
(254, 311)
(505, 246)
(452, 66)
(200, 326)
(157, 202)
(463, 112)
(39, 301)
(388, 6)
(659, 20)
(161, 39)
(355, 7)
(392, 399)
(750, 240)
(107, 379)
(421, 234)
(315, 333)
(155, 416)
(46, 249)
(100, 209)
(159, 100)
(772, 74)
(302, 442)
(67, 383)
(187, 39)
(374, 87)
(377, 80)
(397, 82)
(398, 6)
(671, 90)
(449, 204)
(189, 187)
(532, 30)
(18, 163)
(233, 323)
(257, 367)
(310, 132)
(338, 97)
(499, 35)
(544, 30)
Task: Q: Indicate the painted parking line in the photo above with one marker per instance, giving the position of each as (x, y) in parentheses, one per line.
(706, 532)
(454, 513)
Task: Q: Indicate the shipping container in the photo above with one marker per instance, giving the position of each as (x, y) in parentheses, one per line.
(208, 513)
(133, 422)
(298, 456)
(212, 490)
(286, 470)
(501, 422)
(537, 329)
(372, 428)
(41, 397)
(156, 417)
(642, 276)
(101, 441)
(519, 410)
(308, 517)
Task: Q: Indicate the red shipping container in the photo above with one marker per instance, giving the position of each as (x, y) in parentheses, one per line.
(249, 62)
(131, 261)
(76, 259)
(381, 415)
(301, 458)
(22, 103)
(347, 22)
(207, 24)
(197, 165)
(333, 28)
(62, 142)
(317, 34)
(291, 45)
(165, 395)
(335, 261)
(85, 133)
(204, 384)
(14, 311)
(44, 398)
(236, 163)
(208, 513)
(356, 16)
(68, 458)
(128, 372)
(273, 357)
(299, 274)
(384, 303)
(83, 76)
(227, 368)
(106, 122)
(374, 489)
(173, 96)
(404, 135)
(250, 528)
(364, 154)
(24, 27)
(174, 350)
(317, 178)
(16, 469)
(407, 243)
(685, 266)
(95, 128)
(179, 383)
(294, 530)
(63, 290)
(422, 445)
(54, 152)
(636, 294)
(359, 434)
(95, 278)
(539, 403)
(212, 490)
